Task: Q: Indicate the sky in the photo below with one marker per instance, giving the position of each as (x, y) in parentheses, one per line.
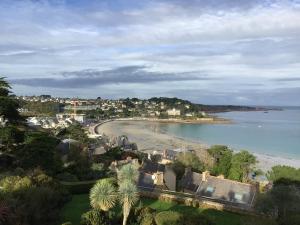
(212, 52)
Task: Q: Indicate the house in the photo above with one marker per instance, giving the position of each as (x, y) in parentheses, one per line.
(81, 118)
(156, 176)
(173, 112)
(218, 189)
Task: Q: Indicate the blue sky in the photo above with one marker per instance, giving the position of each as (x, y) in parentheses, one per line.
(214, 52)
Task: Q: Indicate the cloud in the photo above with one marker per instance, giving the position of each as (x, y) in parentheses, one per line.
(92, 78)
(288, 79)
(212, 45)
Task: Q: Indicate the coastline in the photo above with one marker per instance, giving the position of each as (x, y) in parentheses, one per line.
(147, 135)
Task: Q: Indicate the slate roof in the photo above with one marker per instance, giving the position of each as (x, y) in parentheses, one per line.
(151, 167)
(190, 181)
(228, 190)
(218, 189)
(146, 182)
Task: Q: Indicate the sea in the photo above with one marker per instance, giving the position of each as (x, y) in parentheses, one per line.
(273, 132)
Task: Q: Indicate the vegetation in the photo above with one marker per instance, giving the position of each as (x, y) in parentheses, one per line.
(104, 196)
(283, 200)
(8, 104)
(145, 212)
(187, 159)
(235, 166)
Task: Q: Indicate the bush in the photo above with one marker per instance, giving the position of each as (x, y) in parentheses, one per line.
(169, 218)
(67, 177)
(80, 187)
(145, 216)
(94, 217)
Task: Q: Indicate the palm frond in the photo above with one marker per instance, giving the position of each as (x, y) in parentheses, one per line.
(128, 172)
(103, 195)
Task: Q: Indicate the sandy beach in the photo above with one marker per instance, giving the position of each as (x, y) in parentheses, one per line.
(148, 137)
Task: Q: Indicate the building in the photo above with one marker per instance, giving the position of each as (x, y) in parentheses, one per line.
(156, 176)
(81, 118)
(218, 189)
(173, 112)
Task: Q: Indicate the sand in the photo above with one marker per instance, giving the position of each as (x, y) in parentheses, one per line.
(148, 138)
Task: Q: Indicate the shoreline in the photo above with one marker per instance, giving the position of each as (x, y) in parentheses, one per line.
(147, 136)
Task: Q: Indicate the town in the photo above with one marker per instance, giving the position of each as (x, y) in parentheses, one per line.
(62, 147)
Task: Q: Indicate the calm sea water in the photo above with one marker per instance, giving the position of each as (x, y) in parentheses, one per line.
(275, 133)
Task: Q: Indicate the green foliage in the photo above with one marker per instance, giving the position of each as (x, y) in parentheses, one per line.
(11, 135)
(128, 172)
(103, 195)
(169, 218)
(94, 217)
(8, 104)
(42, 108)
(241, 166)
(192, 219)
(34, 199)
(282, 201)
(39, 151)
(145, 216)
(284, 174)
(79, 187)
(222, 156)
(187, 159)
(76, 132)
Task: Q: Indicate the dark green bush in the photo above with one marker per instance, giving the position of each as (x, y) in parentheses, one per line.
(94, 217)
(80, 187)
(169, 218)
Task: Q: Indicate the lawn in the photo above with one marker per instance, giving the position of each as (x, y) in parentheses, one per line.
(80, 204)
(72, 210)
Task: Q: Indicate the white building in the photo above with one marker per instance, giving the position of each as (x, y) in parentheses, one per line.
(81, 118)
(173, 112)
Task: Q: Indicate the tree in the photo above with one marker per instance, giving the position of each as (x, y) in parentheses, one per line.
(284, 174)
(187, 159)
(128, 172)
(103, 195)
(282, 202)
(241, 165)
(128, 196)
(39, 151)
(8, 104)
(222, 159)
(10, 135)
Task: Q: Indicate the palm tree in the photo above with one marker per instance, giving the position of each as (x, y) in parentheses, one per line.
(103, 195)
(128, 172)
(128, 195)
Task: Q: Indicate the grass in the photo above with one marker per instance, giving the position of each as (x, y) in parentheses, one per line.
(80, 204)
(72, 210)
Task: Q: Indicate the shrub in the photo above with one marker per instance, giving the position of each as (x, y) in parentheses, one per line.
(80, 187)
(169, 218)
(145, 216)
(66, 177)
(94, 217)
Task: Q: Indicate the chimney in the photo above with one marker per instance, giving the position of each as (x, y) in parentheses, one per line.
(158, 178)
(205, 175)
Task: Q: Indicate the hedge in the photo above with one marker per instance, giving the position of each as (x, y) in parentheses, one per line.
(79, 187)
